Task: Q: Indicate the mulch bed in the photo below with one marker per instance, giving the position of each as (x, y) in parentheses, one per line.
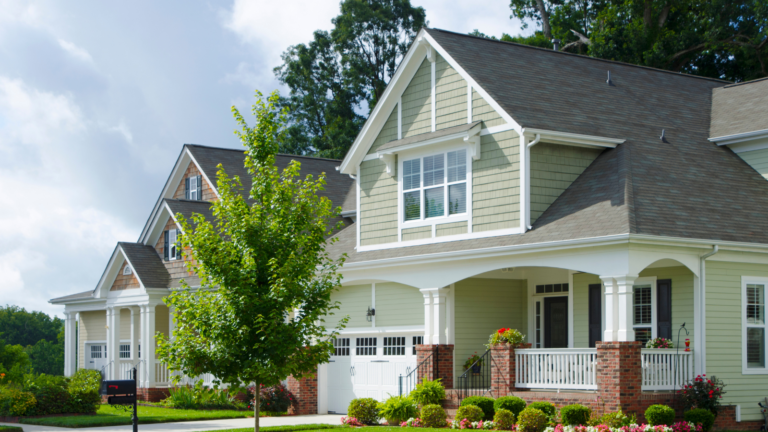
(16, 419)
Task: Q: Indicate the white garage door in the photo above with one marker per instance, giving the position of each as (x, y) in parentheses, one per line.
(368, 366)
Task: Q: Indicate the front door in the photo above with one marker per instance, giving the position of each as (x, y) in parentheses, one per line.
(556, 328)
(96, 355)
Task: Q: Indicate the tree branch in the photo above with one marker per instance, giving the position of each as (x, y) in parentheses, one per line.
(544, 19)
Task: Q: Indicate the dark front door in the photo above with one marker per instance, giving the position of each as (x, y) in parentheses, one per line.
(664, 309)
(595, 315)
(556, 322)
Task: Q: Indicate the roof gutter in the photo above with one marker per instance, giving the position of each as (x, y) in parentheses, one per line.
(700, 346)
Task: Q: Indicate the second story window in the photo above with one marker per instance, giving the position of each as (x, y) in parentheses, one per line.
(435, 186)
(193, 188)
(171, 250)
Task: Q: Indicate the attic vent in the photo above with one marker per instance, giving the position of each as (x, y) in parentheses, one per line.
(556, 44)
(662, 137)
(507, 269)
(127, 270)
(608, 81)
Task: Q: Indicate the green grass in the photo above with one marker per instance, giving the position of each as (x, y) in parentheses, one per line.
(315, 427)
(111, 416)
(11, 429)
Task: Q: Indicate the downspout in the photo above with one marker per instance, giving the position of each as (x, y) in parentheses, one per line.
(702, 330)
(528, 180)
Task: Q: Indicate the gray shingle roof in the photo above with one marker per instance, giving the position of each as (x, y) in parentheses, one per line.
(188, 207)
(739, 108)
(685, 187)
(147, 264)
(78, 296)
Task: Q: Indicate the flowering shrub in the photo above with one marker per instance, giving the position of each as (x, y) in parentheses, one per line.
(433, 416)
(365, 410)
(659, 342)
(504, 419)
(506, 335)
(474, 358)
(412, 422)
(466, 424)
(704, 393)
(677, 427)
(469, 412)
(350, 421)
(16, 403)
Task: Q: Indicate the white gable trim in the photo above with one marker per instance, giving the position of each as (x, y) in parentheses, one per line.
(204, 174)
(422, 49)
(125, 257)
(740, 137)
(109, 274)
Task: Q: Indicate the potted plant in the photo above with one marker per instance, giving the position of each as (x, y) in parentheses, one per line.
(474, 362)
(659, 342)
(506, 335)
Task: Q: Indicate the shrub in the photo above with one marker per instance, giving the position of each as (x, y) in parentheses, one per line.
(350, 421)
(16, 403)
(472, 413)
(398, 409)
(276, 399)
(700, 416)
(482, 402)
(84, 391)
(546, 407)
(504, 419)
(704, 393)
(513, 404)
(365, 410)
(575, 415)
(433, 416)
(657, 415)
(532, 420)
(428, 392)
(50, 392)
(199, 396)
(614, 420)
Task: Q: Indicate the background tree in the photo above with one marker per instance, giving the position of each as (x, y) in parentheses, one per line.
(47, 357)
(14, 363)
(20, 327)
(265, 275)
(715, 38)
(337, 79)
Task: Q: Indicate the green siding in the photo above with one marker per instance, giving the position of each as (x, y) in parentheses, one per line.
(378, 204)
(757, 159)
(398, 305)
(724, 335)
(483, 306)
(581, 283)
(450, 96)
(553, 169)
(388, 132)
(451, 229)
(354, 301)
(682, 298)
(417, 102)
(496, 183)
(482, 111)
(417, 233)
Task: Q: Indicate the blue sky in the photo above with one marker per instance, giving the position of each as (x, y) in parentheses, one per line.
(97, 98)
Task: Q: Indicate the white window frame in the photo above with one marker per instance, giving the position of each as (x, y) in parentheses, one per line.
(750, 280)
(126, 352)
(433, 221)
(194, 190)
(172, 244)
(654, 324)
(127, 270)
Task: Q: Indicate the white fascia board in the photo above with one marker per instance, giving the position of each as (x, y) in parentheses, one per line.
(170, 187)
(465, 136)
(572, 139)
(133, 269)
(391, 96)
(110, 272)
(211, 184)
(741, 137)
(158, 225)
(86, 306)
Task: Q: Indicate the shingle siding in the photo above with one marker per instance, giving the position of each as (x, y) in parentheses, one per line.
(417, 102)
(398, 305)
(453, 228)
(418, 233)
(124, 282)
(92, 328)
(378, 204)
(354, 302)
(450, 96)
(388, 132)
(757, 159)
(481, 110)
(496, 183)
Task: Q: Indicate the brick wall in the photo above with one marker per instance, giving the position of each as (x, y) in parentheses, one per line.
(503, 369)
(192, 170)
(305, 392)
(152, 394)
(619, 375)
(440, 363)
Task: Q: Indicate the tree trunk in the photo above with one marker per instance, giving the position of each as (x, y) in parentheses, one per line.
(544, 19)
(256, 403)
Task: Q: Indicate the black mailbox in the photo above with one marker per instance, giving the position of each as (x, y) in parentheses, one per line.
(120, 387)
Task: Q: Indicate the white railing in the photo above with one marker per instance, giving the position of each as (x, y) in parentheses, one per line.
(162, 374)
(664, 369)
(556, 368)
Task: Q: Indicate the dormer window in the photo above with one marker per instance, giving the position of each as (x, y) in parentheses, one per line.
(434, 186)
(193, 188)
(127, 270)
(171, 251)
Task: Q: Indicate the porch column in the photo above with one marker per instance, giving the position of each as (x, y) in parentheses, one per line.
(135, 332)
(626, 332)
(114, 347)
(439, 334)
(171, 322)
(611, 323)
(427, 293)
(70, 344)
(148, 340)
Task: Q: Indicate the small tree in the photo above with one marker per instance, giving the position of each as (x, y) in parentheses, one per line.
(266, 278)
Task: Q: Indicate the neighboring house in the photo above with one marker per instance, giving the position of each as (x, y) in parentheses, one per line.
(588, 203)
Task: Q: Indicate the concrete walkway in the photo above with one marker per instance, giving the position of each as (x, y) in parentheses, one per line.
(197, 426)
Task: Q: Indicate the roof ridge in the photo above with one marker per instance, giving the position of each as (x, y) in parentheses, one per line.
(746, 82)
(581, 56)
(278, 154)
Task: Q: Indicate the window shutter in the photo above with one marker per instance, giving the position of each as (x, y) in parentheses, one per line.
(167, 247)
(186, 188)
(664, 309)
(199, 188)
(595, 315)
(178, 249)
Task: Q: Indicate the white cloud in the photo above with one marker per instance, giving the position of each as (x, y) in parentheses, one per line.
(76, 51)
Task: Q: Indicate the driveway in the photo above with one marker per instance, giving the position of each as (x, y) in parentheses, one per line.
(197, 426)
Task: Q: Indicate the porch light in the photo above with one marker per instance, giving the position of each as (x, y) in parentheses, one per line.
(370, 314)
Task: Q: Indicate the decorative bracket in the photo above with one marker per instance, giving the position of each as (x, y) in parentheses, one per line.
(388, 159)
(474, 145)
(430, 51)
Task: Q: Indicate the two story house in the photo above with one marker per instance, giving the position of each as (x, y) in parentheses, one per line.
(592, 205)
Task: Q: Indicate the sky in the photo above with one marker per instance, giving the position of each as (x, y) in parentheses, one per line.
(97, 99)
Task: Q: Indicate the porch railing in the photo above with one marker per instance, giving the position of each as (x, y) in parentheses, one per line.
(408, 382)
(665, 369)
(556, 368)
(476, 381)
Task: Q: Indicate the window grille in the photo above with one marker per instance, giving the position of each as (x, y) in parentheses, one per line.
(394, 346)
(125, 351)
(427, 180)
(643, 313)
(341, 346)
(755, 326)
(551, 288)
(366, 346)
(127, 270)
(417, 340)
(96, 351)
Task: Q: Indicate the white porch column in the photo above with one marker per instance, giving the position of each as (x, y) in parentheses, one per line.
(172, 322)
(70, 344)
(114, 342)
(611, 321)
(148, 342)
(626, 331)
(427, 293)
(439, 334)
(135, 332)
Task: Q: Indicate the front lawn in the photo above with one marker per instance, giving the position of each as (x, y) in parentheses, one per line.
(312, 428)
(11, 429)
(111, 416)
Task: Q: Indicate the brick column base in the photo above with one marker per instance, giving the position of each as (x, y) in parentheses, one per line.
(439, 366)
(152, 394)
(503, 369)
(305, 392)
(620, 376)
